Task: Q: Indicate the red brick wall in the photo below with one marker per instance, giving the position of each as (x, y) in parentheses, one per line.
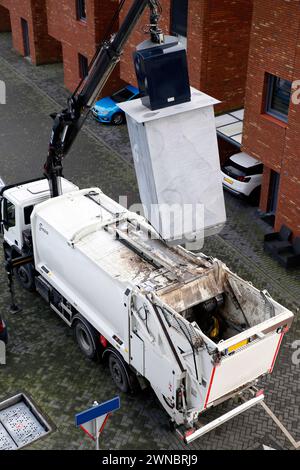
(218, 45)
(81, 37)
(4, 20)
(274, 49)
(264, 199)
(47, 49)
(43, 49)
(127, 69)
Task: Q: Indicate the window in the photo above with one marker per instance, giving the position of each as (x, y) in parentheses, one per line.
(179, 17)
(122, 95)
(83, 66)
(26, 41)
(10, 214)
(278, 97)
(234, 169)
(81, 10)
(27, 213)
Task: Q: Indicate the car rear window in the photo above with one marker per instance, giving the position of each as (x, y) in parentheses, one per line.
(238, 170)
(122, 95)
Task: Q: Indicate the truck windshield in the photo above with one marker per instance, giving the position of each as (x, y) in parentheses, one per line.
(10, 214)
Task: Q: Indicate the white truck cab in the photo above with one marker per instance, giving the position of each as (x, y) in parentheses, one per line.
(17, 204)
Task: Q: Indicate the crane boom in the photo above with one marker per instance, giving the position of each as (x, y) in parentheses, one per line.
(69, 121)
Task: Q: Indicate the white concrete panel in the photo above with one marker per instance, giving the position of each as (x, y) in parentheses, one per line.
(141, 114)
(225, 119)
(232, 129)
(239, 114)
(177, 163)
(238, 138)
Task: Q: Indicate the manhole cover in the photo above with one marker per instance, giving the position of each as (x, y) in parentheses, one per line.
(20, 423)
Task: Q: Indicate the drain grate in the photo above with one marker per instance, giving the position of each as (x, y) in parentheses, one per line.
(20, 423)
(6, 442)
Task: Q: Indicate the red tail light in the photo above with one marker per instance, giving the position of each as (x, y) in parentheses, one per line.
(244, 179)
(103, 341)
(2, 326)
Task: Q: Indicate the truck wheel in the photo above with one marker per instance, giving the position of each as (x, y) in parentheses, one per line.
(118, 372)
(25, 276)
(85, 339)
(118, 119)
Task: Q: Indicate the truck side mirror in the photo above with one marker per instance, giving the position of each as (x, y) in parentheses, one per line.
(1, 205)
(3, 219)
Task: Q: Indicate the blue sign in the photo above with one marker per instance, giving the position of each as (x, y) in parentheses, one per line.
(96, 411)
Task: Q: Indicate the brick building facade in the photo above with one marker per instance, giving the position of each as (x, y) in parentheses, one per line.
(5, 25)
(271, 130)
(80, 27)
(217, 36)
(28, 22)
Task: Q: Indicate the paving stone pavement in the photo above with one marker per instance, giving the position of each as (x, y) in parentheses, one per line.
(43, 358)
(49, 80)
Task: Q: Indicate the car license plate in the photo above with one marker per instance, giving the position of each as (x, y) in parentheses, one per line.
(238, 345)
(228, 180)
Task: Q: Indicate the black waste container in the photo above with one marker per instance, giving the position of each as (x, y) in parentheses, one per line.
(162, 73)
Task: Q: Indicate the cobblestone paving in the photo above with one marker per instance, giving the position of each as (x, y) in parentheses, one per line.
(43, 359)
(49, 80)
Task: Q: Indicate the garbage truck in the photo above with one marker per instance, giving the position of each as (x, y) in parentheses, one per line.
(157, 314)
(160, 315)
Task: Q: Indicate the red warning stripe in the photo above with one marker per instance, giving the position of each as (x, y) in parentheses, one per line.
(104, 422)
(210, 385)
(86, 432)
(276, 352)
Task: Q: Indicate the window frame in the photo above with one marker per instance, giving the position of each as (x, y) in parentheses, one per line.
(81, 10)
(27, 211)
(82, 72)
(8, 203)
(184, 31)
(269, 110)
(119, 92)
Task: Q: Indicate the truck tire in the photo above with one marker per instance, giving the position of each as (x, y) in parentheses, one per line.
(25, 276)
(119, 372)
(85, 338)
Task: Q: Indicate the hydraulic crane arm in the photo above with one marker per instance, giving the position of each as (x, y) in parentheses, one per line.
(69, 121)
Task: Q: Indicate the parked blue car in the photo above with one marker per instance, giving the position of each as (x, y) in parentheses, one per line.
(107, 109)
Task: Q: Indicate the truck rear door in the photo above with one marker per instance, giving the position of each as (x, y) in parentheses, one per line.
(246, 357)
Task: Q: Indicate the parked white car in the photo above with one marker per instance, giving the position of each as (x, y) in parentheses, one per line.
(242, 175)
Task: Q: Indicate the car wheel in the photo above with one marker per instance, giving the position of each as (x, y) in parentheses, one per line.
(118, 372)
(118, 119)
(25, 276)
(85, 340)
